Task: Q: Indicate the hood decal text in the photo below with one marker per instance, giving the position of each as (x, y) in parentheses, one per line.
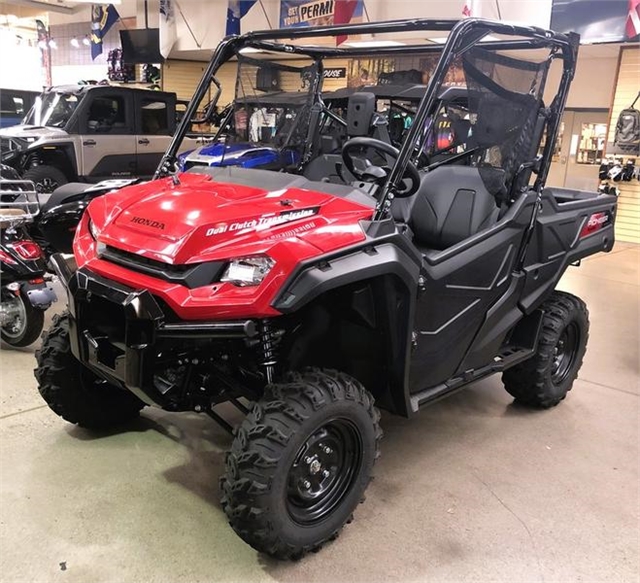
(263, 222)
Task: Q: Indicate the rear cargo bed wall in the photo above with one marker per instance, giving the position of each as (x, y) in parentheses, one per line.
(626, 89)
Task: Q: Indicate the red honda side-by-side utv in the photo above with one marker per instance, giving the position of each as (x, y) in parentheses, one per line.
(365, 273)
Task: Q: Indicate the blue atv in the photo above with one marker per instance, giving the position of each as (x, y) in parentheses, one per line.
(265, 130)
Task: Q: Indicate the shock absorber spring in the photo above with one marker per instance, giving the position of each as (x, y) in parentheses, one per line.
(269, 338)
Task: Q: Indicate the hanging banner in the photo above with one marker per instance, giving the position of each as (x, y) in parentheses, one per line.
(597, 21)
(317, 12)
(102, 19)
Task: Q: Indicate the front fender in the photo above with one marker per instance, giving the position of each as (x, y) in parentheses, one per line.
(58, 224)
(323, 274)
(394, 273)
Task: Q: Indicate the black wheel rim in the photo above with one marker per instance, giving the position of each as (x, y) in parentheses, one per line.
(564, 353)
(323, 472)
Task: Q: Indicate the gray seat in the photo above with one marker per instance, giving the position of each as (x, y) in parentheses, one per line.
(451, 205)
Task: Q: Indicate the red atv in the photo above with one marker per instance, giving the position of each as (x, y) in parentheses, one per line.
(366, 272)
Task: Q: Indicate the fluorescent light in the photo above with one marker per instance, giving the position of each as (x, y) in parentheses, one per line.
(249, 50)
(365, 44)
(440, 40)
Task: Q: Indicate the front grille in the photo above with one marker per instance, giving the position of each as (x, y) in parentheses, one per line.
(191, 275)
(135, 259)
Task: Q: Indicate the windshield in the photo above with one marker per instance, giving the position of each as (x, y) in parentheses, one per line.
(293, 106)
(272, 102)
(53, 109)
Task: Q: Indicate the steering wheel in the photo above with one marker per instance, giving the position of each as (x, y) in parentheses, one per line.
(411, 173)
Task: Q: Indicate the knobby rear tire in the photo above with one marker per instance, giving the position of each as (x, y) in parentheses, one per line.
(543, 380)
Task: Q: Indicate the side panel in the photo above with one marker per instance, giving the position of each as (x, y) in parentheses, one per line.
(557, 240)
(460, 286)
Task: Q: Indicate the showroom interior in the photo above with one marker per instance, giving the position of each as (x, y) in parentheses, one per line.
(251, 248)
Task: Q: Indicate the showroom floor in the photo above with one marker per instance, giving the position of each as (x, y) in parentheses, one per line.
(473, 489)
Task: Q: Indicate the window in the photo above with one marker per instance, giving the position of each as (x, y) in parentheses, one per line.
(11, 105)
(107, 115)
(154, 118)
(53, 109)
(592, 141)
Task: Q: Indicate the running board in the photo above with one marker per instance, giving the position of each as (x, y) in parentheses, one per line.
(508, 357)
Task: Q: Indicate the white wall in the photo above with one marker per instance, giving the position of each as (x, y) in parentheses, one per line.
(20, 65)
(594, 82)
(73, 74)
(594, 79)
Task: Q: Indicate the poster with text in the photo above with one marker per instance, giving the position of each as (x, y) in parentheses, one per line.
(314, 12)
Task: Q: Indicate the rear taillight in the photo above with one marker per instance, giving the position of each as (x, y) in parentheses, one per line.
(28, 250)
(6, 258)
(596, 222)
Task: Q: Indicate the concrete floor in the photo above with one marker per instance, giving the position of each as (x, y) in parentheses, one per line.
(473, 489)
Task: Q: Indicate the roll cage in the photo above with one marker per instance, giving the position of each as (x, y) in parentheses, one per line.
(463, 36)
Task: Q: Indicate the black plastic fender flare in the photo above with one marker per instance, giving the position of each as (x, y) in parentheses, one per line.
(45, 151)
(324, 273)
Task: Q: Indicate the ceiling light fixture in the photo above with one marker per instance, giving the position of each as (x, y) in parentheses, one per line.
(75, 43)
(85, 41)
(53, 44)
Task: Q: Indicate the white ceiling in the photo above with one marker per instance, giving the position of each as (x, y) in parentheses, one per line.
(68, 11)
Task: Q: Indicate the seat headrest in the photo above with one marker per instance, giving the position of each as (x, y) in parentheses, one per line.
(360, 111)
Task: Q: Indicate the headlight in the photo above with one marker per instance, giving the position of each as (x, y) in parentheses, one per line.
(95, 232)
(245, 271)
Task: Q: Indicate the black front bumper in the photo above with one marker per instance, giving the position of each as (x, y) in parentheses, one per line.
(115, 330)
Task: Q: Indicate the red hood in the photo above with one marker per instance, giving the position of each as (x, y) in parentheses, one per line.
(199, 219)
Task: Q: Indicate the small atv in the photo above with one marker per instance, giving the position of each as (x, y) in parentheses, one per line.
(370, 274)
